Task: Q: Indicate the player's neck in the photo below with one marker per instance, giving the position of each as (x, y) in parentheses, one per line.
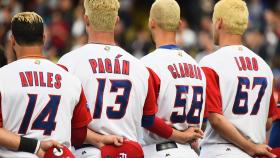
(229, 39)
(164, 38)
(102, 38)
(28, 51)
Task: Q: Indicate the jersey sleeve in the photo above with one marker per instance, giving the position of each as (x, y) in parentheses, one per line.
(81, 115)
(150, 106)
(213, 96)
(1, 118)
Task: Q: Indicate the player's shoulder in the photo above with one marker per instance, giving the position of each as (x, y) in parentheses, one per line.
(72, 55)
(218, 57)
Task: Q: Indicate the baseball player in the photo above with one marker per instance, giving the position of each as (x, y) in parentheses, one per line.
(39, 100)
(180, 83)
(239, 97)
(118, 87)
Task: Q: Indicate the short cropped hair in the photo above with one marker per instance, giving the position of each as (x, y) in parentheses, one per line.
(28, 28)
(102, 14)
(234, 13)
(166, 13)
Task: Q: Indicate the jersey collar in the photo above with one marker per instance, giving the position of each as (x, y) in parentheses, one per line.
(170, 46)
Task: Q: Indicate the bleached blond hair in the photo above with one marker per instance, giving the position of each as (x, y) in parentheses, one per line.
(28, 17)
(166, 13)
(102, 14)
(235, 15)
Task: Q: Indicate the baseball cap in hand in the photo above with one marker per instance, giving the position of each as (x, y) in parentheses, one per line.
(129, 149)
(275, 151)
(55, 153)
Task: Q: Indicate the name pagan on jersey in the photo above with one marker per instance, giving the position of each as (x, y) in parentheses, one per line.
(40, 79)
(107, 65)
(182, 70)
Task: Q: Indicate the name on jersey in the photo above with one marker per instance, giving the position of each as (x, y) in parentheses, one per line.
(115, 66)
(246, 63)
(40, 79)
(183, 70)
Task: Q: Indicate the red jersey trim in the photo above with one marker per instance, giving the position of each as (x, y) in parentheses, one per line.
(64, 67)
(272, 107)
(213, 94)
(81, 115)
(160, 128)
(150, 106)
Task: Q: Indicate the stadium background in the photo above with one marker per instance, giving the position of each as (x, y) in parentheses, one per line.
(65, 29)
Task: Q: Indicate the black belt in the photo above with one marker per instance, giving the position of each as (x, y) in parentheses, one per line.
(166, 145)
(84, 146)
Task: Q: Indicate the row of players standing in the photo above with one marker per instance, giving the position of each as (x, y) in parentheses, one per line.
(119, 95)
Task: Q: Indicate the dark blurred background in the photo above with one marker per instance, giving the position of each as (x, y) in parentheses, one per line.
(65, 29)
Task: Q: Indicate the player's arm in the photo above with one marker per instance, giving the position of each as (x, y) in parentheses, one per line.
(99, 140)
(221, 125)
(81, 133)
(15, 142)
(157, 125)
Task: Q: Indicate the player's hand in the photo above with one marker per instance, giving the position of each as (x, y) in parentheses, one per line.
(45, 145)
(261, 150)
(188, 136)
(110, 140)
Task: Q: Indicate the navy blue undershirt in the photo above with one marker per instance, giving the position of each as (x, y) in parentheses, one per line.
(170, 46)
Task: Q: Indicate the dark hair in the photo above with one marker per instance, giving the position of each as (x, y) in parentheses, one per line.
(28, 28)
(3, 58)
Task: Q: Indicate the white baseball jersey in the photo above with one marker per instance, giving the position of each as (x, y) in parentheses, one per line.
(38, 100)
(117, 87)
(239, 86)
(181, 89)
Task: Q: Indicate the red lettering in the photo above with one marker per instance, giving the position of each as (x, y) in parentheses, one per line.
(255, 64)
(191, 71)
(35, 74)
(199, 73)
(29, 77)
(57, 84)
(176, 70)
(23, 79)
(93, 65)
(125, 67)
(195, 71)
(108, 65)
(173, 73)
(187, 72)
(101, 66)
(49, 79)
(249, 65)
(117, 69)
(182, 70)
(42, 82)
(238, 64)
(244, 65)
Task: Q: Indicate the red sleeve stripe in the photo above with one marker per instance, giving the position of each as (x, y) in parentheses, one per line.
(213, 94)
(150, 106)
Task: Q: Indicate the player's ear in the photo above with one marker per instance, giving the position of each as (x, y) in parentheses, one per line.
(86, 20)
(180, 24)
(117, 20)
(219, 24)
(12, 39)
(152, 24)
